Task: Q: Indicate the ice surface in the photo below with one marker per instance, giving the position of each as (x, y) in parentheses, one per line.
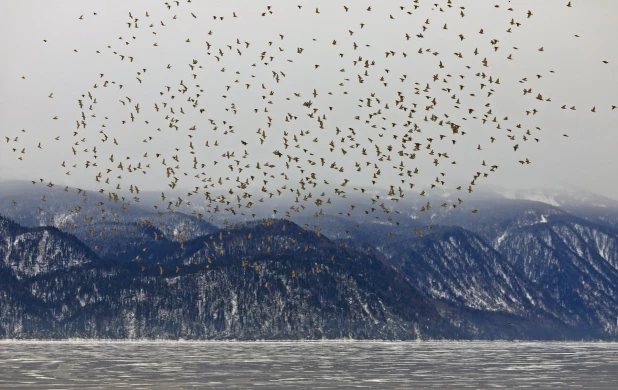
(300, 365)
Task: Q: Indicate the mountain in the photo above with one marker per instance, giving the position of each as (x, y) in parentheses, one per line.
(516, 268)
(514, 258)
(97, 220)
(43, 250)
(575, 261)
(260, 287)
(563, 196)
(33, 253)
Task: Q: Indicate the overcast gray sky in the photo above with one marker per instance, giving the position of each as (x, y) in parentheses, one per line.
(68, 66)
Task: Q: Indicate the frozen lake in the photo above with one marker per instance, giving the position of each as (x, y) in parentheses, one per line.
(316, 365)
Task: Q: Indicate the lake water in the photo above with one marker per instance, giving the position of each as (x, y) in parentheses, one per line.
(307, 365)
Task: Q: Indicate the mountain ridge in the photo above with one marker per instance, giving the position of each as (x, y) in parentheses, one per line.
(550, 273)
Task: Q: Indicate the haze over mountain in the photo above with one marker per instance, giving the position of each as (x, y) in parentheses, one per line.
(69, 45)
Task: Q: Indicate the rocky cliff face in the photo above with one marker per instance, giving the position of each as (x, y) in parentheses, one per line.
(39, 251)
(575, 262)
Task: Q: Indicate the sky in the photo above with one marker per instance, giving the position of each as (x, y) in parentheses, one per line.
(61, 52)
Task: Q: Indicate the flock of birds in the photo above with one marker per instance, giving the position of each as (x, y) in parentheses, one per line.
(396, 124)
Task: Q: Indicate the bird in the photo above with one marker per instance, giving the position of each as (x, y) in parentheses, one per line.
(173, 106)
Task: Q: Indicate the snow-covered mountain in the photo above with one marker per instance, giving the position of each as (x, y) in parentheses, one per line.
(548, 270)
(262, 288)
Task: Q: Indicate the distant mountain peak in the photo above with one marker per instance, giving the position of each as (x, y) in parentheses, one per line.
(559, 196)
